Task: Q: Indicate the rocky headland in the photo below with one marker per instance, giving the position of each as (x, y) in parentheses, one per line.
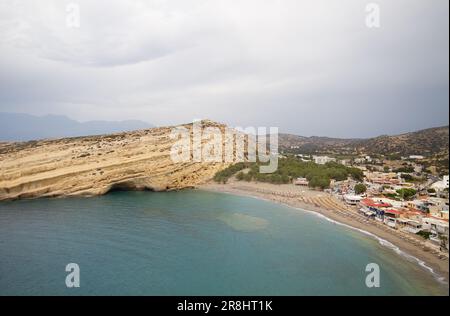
(95, 165)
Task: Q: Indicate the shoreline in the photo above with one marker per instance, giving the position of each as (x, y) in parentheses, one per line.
(421, 255)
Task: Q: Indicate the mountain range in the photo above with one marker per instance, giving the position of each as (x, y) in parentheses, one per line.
(427, 142)
(25, 127)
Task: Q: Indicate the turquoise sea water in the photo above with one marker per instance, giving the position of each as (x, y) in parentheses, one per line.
(191, 243)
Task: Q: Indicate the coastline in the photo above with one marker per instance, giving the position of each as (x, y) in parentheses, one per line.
(412, 248)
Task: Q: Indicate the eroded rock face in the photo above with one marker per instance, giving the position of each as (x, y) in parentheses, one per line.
(95, 165)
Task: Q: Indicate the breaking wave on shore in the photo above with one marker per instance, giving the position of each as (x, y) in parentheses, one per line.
(384, 243)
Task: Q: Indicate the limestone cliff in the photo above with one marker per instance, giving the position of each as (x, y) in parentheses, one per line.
(98, 164)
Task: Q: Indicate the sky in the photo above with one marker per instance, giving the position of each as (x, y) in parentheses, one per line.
(307, 67)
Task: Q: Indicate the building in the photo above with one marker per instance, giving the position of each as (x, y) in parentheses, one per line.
(390, 202)
(421, 205)
(441, 185)
(388, 178)
(438, 229)
(408, 225)
(416, 157)
(303, 157)
(390, 217)
(345, 162)
(352, 199)
(301, 182)
(438, 207)
(374, 209)
(321, 160)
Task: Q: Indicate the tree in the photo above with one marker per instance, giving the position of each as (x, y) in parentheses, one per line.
(406, 193)
(407, 177)
(356, 174)
(319, 182)
(404, 169)
(360, 188)
(248, 177)
(292, 168)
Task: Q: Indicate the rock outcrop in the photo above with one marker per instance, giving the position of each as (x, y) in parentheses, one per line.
(95, 165)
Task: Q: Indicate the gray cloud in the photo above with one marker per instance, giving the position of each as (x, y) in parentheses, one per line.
(309, 67)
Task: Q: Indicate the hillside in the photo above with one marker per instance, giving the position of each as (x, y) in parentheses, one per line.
(428, 142)
(98, 164)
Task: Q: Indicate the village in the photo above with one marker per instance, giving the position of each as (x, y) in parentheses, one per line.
(399, 194)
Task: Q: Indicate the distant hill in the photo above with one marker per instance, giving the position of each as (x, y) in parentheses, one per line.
(428, 142)
(24, 127)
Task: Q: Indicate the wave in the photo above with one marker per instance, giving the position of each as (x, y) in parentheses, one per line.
(382, 242)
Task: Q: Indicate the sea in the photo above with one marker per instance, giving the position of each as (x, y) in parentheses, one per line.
(193, 242)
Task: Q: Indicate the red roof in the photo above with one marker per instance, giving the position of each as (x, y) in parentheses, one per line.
(372, 203)
(393, 212)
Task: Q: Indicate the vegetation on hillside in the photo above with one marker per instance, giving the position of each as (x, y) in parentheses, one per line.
(429, 142)
(404, 169)
(319, 176)
(224, 175)
(406, 194)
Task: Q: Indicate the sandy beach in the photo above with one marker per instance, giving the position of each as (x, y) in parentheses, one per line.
(331, 207)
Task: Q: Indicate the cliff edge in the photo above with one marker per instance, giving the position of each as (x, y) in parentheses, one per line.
(95, 165)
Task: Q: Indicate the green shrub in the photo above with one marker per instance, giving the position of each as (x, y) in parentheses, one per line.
(406, 193)
(424, 234)
(289, 169)
(360, 188)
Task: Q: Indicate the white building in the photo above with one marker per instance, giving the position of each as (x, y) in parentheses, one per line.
(411, 226)
(352, 199)
(345, 162)
(321, 160)
(417, 157)
(301, 182)
(441, 185)
(438, 229)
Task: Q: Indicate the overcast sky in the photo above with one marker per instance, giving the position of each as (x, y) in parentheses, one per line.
(307, 67)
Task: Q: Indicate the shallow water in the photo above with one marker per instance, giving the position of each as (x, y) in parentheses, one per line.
(191, 243)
